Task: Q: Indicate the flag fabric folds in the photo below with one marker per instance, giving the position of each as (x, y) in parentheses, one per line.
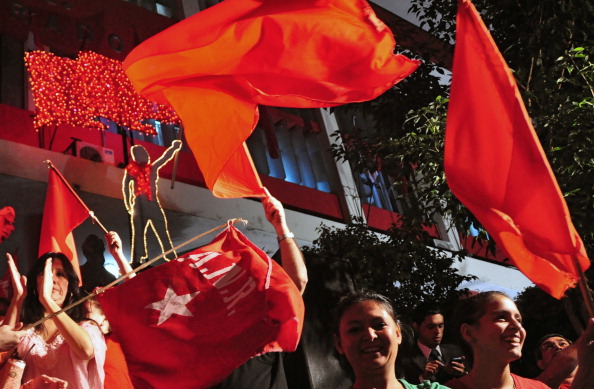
(62, 213)
(216, 66)
(496, 166)
(188, 323)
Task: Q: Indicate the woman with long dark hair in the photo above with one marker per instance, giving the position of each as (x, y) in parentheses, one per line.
(490, 326)
(66, 346)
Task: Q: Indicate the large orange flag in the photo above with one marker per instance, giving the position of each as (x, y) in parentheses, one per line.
(216, 66)
(496, 166)
(62, 213)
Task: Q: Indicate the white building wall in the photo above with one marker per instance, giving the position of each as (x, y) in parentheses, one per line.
(201, 211)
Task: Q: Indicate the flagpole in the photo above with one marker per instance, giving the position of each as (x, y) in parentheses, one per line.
(91, 213)
(584, 287)
(176, 161)
(133, 271)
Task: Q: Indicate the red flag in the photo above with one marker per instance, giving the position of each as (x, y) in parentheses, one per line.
(216, 66)
(496, 166)
(62, 213)
(188, 323)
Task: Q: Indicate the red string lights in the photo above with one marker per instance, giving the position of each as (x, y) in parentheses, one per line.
(141, 172)
(79, 91)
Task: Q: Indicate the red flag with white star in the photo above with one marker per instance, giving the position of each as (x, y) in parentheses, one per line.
(190, 322)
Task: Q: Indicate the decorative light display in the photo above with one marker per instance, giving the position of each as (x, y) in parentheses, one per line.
(141, 178)
(141, 174)
(78, 92)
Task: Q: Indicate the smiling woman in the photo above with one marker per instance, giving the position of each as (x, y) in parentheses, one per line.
(368, 334)
(490, 326)
(67, 346)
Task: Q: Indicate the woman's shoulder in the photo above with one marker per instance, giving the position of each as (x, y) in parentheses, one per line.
(423, 385)
(519, 383)
(89, 324)
(527, 383)
(92, 328)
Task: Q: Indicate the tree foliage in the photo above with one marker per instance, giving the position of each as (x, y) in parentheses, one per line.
(549, 45)
(399, 264)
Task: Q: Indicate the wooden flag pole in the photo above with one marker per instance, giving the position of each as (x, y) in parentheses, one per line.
(176, 161)
(584, 287)
(134, 271)
(91, 213)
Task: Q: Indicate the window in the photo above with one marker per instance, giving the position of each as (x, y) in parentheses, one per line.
(162, 7)
(166, 133)
(374, 187)
(377, 190)
(289, 144)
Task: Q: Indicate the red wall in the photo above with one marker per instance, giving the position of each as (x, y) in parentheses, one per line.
(108, 27)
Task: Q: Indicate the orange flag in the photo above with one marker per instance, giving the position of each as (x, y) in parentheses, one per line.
(216, 66)
(62, 213)
(496, 166)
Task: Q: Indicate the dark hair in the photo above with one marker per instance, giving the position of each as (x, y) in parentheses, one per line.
(354, 298)
(537, 350)
(93, 245)
(424, 310)
(32, 308)
(4, 304)
(470, 309)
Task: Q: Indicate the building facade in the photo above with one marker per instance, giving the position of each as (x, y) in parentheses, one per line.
(289, 146)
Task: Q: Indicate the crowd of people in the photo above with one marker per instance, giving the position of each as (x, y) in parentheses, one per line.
(75, 348)
(368, 333)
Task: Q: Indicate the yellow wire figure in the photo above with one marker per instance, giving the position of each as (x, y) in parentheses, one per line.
(141, 193)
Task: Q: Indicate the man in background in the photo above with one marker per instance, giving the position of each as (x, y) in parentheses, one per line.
(428, 358)
(557, 358)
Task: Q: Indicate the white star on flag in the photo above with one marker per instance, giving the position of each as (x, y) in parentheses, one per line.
(172, 303)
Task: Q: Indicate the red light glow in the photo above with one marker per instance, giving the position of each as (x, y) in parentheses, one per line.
(77, 92)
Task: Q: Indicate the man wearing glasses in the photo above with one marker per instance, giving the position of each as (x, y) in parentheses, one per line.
(557, 358)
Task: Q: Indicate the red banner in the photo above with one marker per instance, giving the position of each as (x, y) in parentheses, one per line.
(62, 213)
(216, 66)
(188, 323)
(496, 166)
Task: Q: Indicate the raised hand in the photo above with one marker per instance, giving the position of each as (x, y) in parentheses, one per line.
(19, 288)
(19, 282)
(47, 282)
(275, 213)
(114, 244)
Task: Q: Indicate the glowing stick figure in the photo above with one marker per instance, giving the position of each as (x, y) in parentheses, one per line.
(141, 196)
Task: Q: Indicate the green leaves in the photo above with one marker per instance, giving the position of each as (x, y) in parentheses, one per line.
(399, 264)
(549, 46)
